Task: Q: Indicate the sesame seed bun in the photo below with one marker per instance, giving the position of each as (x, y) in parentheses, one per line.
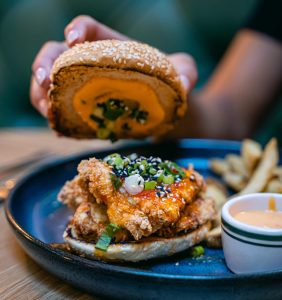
(147, 248)
(119, 60)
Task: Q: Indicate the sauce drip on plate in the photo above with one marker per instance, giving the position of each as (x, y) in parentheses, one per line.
(270, 218)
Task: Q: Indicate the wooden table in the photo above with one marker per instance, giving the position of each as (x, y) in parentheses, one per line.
(20, 277)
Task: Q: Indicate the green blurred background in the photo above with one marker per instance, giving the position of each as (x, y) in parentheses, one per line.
(202, 28)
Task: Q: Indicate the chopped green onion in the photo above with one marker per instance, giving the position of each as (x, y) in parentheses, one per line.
(160, 178)
(144, 163)
(110, 125)
(106, 237)
(143, 172)
(165, 167)
(118, 163)
(172, 168)
(140, 116)
(113, 109)
(116, 181)
(134, 113)
(136, 166)
(149, 185)
(113, 114)
(103, 133)
(111, 158)
(126, 162)
(168, 179)
(130, 169)
(179, 169)
(152, 171)
(99, 121)
(197, 251)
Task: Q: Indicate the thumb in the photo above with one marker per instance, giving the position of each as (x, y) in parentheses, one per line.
(186, 68)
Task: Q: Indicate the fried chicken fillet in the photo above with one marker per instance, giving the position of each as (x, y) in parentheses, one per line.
(166, 210)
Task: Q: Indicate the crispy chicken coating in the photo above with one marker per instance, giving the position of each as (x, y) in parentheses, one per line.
(144, 213)
(90, 221)
(194, 215)
(75, 192)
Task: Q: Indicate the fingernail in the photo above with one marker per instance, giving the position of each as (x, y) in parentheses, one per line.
(185, 82)
(72, 36)
(40, 75)
(43, 107)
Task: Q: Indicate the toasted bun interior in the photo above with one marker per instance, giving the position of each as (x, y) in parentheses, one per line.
(90, 74)
(148, 248)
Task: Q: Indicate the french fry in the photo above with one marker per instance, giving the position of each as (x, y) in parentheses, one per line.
(251, 152)
(219, 166)
(237, 165)
(216, 191)
(277, 173)
(216, 221)
(274, 186)
(254, 171)
(236, 181)
(213, 238)
(263, 172)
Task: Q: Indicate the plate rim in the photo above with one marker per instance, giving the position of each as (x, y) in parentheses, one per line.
(120, 269)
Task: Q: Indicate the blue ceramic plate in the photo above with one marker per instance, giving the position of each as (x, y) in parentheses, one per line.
(38, 219)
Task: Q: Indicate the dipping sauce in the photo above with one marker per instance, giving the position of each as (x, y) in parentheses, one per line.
(270, 218)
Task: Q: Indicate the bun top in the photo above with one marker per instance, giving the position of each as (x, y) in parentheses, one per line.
(124, 55)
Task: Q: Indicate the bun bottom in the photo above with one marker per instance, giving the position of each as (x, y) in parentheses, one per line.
(148, 248)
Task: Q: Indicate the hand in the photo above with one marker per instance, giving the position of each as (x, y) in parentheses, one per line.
(85, 28)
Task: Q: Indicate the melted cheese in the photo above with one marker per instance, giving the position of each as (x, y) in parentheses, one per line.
(100, 89)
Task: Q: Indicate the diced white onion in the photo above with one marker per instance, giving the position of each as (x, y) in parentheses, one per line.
(134, 184)
(122, 190)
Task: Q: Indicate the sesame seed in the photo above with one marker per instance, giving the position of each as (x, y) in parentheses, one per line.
(192, 177)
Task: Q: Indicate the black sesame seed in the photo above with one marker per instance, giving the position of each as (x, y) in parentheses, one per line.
(126, 127)
(69, 233)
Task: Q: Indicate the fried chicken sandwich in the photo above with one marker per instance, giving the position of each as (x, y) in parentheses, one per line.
(133, 208)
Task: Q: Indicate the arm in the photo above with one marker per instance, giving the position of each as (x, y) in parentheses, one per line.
(240, 90)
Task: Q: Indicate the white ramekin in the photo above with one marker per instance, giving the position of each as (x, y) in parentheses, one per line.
(250, 249)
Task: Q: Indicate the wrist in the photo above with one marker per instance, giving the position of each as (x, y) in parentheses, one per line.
(218, 117)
